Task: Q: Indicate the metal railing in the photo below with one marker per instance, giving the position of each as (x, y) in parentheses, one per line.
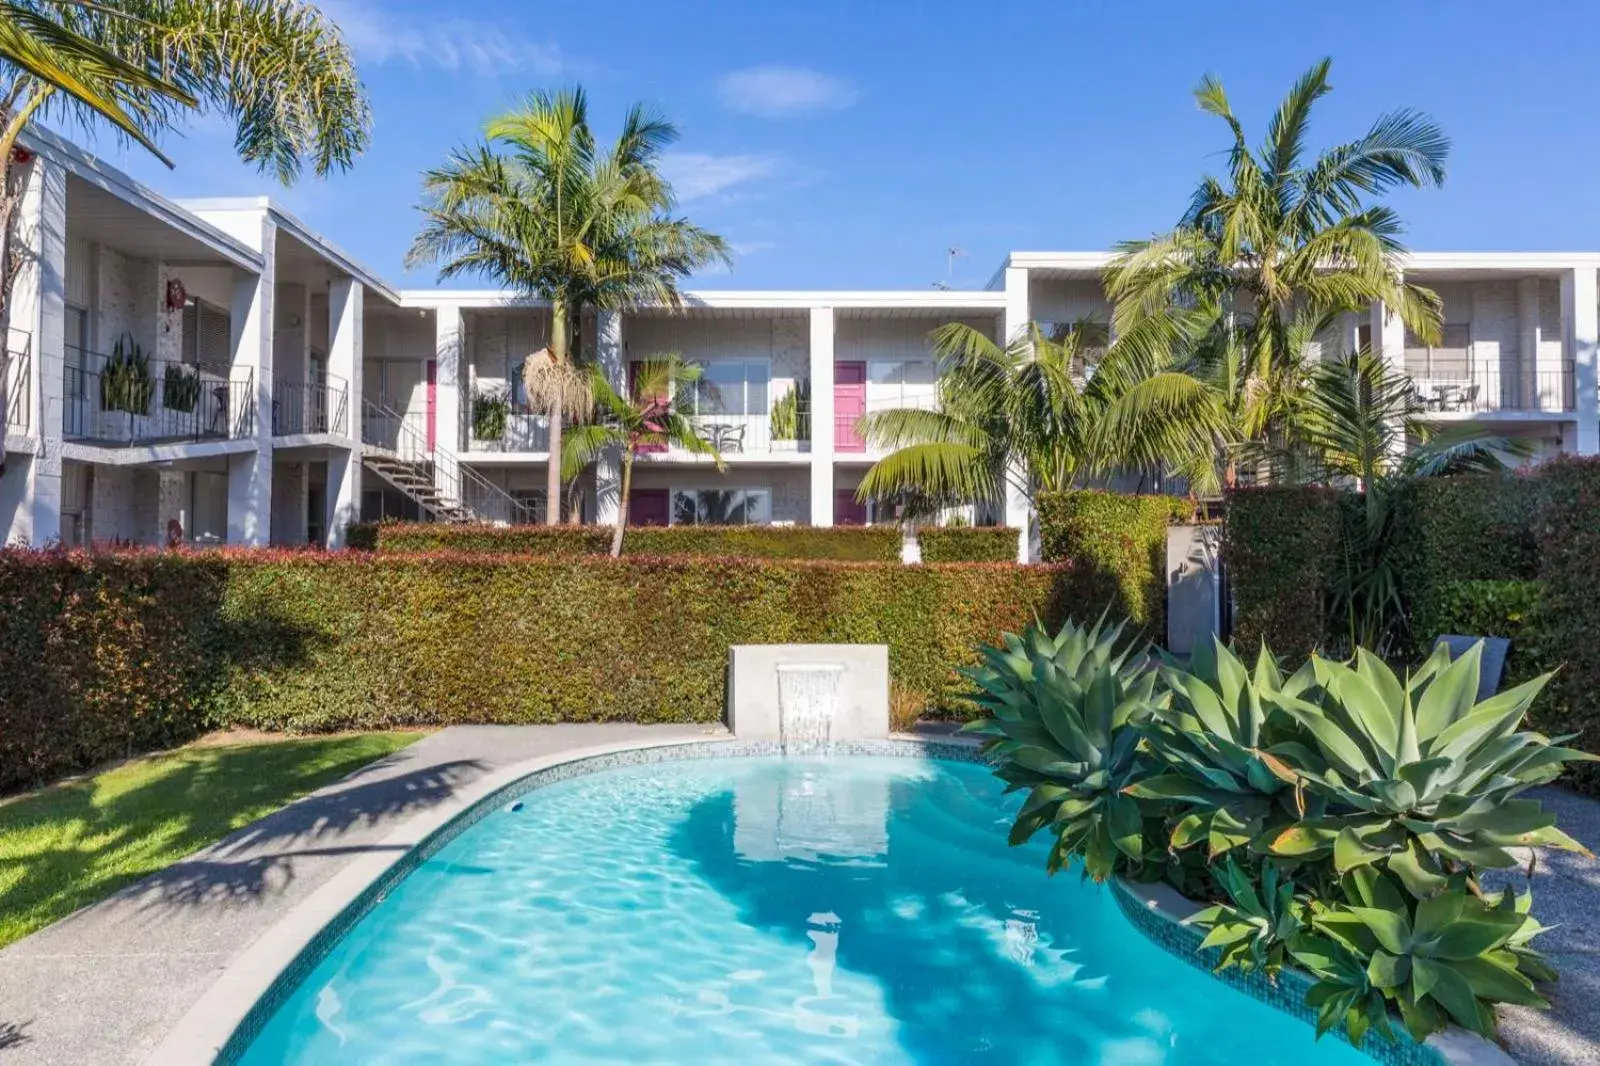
(402, 437)
(125, 401)
(513, 428)
(1495, 388)
(848, 439)
(16, 382)
(311, 406)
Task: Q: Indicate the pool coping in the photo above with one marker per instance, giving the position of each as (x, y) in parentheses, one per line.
(212, 1030)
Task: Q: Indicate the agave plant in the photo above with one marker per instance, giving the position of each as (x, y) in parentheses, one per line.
(1217, 737)
(1419, 777)
(1063, 713)
(1255, 929)
(1449, 956)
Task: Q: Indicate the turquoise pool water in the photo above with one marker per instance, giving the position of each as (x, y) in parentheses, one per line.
(750, 911)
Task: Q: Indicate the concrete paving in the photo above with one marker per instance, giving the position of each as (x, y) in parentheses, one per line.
(105, 985)
(1566, 895)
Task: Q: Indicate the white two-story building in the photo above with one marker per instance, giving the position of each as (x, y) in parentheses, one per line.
(215, 372)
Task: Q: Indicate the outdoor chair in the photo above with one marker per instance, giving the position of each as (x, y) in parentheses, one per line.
(1491, 666)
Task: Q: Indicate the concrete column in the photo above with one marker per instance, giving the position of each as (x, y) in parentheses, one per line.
(1580, 328)
(1529, 332)
(30, 486)
(250, 473)
(342, 497)
(453, 395)
(1019, 507)
(611, 355)
(1389, 344)
(822, 429)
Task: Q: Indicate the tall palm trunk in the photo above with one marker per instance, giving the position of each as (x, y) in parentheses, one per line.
(559, 347)
(622, 502)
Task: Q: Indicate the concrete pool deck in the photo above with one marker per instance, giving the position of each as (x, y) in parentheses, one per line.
(106, 985)
(110, 984)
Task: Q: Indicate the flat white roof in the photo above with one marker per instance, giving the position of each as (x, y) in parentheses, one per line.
(774, 299)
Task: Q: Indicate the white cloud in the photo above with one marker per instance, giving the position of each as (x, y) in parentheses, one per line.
(379, 35)
(741, 249)
(781, 92)
(696, 175)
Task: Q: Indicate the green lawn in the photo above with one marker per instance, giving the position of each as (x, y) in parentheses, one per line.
(71, 844)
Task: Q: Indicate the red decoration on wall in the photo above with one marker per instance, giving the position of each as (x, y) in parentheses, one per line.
(177, 295)
(21, 156)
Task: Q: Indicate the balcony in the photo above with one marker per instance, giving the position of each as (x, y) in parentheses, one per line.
(496, 424)
(311, 407)
(131, 399)
(1486, 389)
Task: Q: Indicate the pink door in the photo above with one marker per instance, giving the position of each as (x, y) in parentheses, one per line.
(849, 404)
(633, 377)
(847, 510)
(647, 507)
(433, 402)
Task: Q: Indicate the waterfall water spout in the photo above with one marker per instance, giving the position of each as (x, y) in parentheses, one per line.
(808, 701)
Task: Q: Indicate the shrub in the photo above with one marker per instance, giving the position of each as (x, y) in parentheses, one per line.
(1339, 817)
(1453, 529)
(1118, 544)
(837, 543)
(105, 655)
(1281, 550)
(102, 657)
(968, 544)
(1569, 621)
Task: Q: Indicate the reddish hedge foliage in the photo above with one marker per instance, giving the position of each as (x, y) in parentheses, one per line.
(840, 543)
(968, 544)
(105, 655)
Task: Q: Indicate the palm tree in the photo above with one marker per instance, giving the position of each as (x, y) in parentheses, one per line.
(278, 68)
(1044, 413)
(649, 417)
(1269, 258)
(538, 207)
(1361, 429)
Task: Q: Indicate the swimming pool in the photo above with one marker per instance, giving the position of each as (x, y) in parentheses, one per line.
(763, 910)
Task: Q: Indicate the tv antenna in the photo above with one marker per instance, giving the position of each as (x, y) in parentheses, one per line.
(951, 255)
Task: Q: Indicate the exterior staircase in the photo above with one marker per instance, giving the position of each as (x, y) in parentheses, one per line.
(397, 450)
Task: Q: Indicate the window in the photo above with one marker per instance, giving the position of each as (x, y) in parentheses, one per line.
(207, 334)
(1447, 359)
(728, 387)
(721, 507)
(901, 383)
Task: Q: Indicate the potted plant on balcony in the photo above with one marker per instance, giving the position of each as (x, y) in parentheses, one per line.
(791, 414)
(125, 383)
(180, 388)
(490, 410)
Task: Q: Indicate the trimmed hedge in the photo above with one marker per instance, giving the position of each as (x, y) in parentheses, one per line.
(105, 655)
(968, 544)
(839, 543)
(1569, 617)
(1281, 547)
(1118, 545)
(1454, 529)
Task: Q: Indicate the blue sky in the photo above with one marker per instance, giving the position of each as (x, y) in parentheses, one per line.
(842, 144)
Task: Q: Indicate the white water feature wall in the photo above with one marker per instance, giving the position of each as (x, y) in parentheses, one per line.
(808, 697)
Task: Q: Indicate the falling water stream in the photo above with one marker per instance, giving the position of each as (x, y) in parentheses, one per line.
(808, 700)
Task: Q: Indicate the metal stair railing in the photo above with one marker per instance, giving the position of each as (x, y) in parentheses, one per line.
(393, 435)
